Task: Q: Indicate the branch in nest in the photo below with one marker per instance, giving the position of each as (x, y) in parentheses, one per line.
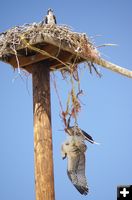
(113, 67)
(105, 45)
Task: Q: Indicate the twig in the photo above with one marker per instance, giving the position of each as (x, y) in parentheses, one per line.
(104, 45)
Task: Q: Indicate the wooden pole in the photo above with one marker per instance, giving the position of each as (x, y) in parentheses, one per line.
(44, 176)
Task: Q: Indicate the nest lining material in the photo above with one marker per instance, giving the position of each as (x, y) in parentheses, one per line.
(28, 39)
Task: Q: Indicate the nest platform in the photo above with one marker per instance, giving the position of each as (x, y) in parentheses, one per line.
(22, 46)
(55, 45)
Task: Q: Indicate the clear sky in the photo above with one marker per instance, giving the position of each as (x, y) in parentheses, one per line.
(107, 112)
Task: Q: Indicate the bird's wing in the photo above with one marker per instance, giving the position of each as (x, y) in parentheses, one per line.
(88, 137)
(55, 19)
(76, 172)
(46, 20)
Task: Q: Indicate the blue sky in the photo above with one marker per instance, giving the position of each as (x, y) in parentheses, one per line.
(107, 112)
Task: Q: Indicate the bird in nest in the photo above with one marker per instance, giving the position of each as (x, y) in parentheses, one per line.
(50, 17)
(74, 149)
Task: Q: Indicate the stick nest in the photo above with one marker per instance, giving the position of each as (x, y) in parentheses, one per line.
(20, 37)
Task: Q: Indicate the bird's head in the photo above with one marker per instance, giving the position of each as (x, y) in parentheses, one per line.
(50, 11)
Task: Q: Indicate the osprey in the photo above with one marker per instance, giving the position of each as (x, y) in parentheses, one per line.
(74, 149)
(50, 17)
